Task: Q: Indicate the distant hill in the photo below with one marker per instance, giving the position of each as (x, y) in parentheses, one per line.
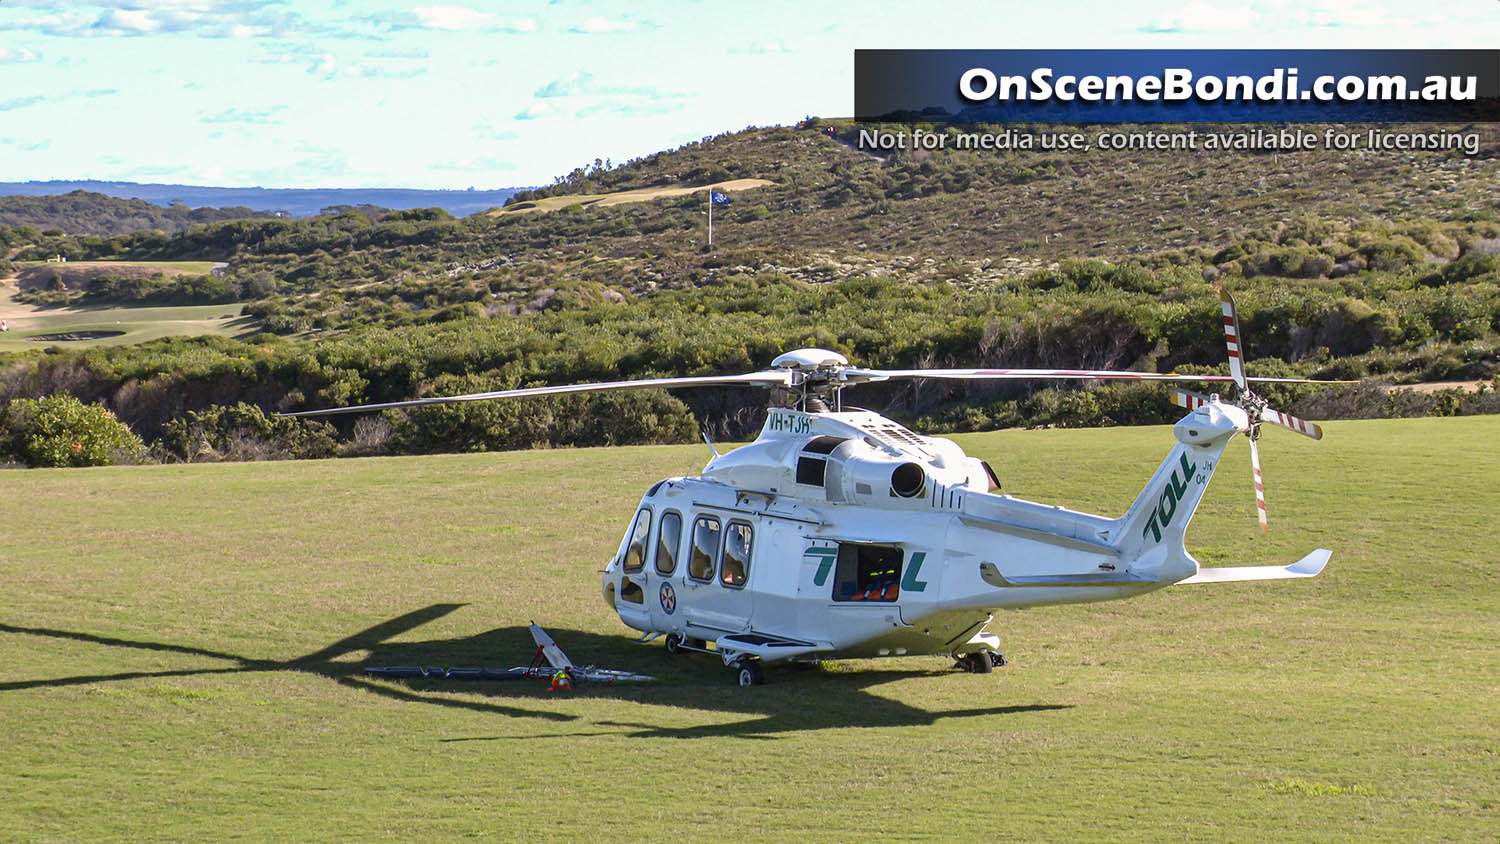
(82, 212)
(297, 202)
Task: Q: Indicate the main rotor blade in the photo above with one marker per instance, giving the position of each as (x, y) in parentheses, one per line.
(1232, 338)
(1075, 374)
(1260, 488)
(1292, 423)
(1189, 400)
(771, 378)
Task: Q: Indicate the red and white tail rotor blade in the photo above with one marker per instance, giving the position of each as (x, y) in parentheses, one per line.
(1232, 338)
(1292, 423)
(1260, 488)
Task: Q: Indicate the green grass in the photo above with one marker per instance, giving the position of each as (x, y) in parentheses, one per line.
(177, 646)
(138, 325)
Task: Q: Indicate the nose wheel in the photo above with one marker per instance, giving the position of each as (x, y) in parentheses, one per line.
(980, 662)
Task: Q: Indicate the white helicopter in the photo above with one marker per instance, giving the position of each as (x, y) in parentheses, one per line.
(838, 533)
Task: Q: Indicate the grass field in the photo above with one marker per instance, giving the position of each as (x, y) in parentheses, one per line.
(137, 325)
(177, 648)
(133, 324)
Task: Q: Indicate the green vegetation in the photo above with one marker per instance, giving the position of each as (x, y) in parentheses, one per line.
(178, 648)
(1388, 269)
(85, 212)
(62, 431)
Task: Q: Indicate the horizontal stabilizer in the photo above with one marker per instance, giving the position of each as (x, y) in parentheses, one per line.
(1308, 566)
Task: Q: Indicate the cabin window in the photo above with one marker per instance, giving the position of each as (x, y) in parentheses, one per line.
(635, 552)
(706, 532)
(735, 569)
(668, 543)
(867, 573)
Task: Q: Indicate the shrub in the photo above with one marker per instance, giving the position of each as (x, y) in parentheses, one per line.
(244, 432)
(60, 430)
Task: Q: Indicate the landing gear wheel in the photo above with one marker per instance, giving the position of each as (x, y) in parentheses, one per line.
(674, 643)
(997, 659)
(976, 663)
(751, 674)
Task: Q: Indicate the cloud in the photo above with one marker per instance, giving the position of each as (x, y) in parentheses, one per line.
(26, 146)
(9, 55)
(764, 48)
(596, 25)
(448, 19)
(536, 111)
(199, 18)
(374, 72)
(328, 66)
(325, 65)
(15, 103)
(635, 109)
(315, 60)
(568, 86)
(1203, 17)
(584, 84)
(412, 53)
(453, 18)
(1331, 13)
(20, 102)
(261, 117)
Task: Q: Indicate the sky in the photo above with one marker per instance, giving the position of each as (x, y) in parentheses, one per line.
(461, 93)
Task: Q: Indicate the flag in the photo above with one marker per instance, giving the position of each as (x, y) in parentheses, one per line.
(718, 198)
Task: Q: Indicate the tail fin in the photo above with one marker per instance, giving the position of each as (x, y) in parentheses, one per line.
(1150, 534)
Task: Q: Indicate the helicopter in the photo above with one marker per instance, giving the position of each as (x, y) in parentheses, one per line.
(838, 533)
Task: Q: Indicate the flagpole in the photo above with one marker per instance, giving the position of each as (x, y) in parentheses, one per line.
(710, 215)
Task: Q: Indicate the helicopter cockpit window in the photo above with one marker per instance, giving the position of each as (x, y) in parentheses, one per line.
(668, 542)
(867, 573)
(736, 566)
(705, 547)
(635, 553)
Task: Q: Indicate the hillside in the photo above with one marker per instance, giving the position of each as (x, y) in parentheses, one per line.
(82, 212)
(1369, 263)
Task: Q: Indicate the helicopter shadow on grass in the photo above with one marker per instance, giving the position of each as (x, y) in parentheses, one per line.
(798, 698)
(324, 662)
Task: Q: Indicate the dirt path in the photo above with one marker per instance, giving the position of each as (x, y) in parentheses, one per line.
(1434, 386)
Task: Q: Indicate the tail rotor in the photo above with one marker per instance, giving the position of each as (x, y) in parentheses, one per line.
(1257, 410)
